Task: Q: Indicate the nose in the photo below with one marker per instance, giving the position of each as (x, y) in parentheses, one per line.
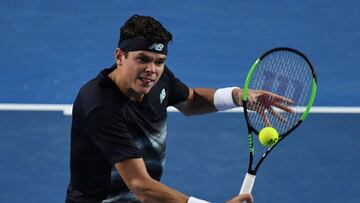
(151, 68)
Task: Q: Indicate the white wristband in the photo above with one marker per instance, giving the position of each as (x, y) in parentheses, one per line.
(196, 200)
(223, 99)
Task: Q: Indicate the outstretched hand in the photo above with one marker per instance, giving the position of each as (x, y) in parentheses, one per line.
(262, 101)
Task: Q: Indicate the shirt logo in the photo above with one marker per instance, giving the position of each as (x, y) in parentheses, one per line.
(162, 96)
(157, 46)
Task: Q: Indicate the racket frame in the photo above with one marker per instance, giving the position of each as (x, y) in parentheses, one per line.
(249, 179)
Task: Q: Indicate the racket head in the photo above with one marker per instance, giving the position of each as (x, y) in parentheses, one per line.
(286, 72)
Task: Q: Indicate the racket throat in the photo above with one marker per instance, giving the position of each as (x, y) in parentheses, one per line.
(251, 172)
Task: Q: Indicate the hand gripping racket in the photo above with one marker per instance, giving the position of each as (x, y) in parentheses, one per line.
(280, 72)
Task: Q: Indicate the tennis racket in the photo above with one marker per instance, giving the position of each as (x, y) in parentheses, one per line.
(278, 74)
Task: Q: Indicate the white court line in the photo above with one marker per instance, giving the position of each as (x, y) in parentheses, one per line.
(67, 108)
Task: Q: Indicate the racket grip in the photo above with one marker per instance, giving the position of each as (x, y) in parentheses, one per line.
(248, 183)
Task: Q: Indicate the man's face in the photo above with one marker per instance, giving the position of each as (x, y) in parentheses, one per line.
(141, 70)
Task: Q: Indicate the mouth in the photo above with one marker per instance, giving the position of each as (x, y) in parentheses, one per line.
(146, 81)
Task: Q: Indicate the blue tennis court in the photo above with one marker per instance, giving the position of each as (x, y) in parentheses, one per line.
(50, 48)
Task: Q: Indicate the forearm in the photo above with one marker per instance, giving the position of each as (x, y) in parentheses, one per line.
(158, 192)
(200, 101)
(203, 100)
(154, 191)
(145, 188)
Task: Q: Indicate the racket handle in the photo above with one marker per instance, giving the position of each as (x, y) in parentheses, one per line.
(248, 183)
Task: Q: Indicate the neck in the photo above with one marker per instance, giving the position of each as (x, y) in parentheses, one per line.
(134, 96)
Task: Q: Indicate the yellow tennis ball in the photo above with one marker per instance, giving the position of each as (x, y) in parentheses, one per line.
(268, 136)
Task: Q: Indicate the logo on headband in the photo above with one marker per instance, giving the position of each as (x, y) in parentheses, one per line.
(157, 46)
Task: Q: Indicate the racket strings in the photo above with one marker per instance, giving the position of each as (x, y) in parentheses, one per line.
(287, 74)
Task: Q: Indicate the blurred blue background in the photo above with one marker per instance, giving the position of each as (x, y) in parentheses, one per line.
(48, 49)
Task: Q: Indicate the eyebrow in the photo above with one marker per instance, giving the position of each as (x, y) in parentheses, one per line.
(163, 58)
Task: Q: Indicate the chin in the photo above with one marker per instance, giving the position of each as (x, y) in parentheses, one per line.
(144, 90)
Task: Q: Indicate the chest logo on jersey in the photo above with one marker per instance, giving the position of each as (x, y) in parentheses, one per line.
(162, 95)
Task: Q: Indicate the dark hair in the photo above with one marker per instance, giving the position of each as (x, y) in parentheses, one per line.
(144, 26)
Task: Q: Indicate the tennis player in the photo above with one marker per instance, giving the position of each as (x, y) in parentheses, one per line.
(119, 121)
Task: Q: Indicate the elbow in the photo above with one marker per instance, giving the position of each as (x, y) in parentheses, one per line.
(187, 110)
(188, 113)
(141, 189)
(198, 111)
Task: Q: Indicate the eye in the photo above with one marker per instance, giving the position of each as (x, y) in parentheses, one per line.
(142, 59)
(159, 62)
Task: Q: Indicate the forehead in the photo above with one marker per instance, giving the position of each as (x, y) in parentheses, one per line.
(148, 54)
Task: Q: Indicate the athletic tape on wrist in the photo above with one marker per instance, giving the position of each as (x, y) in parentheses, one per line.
(196, 200)
(223, 99)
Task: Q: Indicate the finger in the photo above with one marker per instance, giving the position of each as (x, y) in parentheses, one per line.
(259, 107)
(282, 99)
(246, 198)
(256, 106)
(277, 115)
(276, 97)
(283, 107)
(265, 119)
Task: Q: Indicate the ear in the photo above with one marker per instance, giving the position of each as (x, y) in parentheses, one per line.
(118, 56)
